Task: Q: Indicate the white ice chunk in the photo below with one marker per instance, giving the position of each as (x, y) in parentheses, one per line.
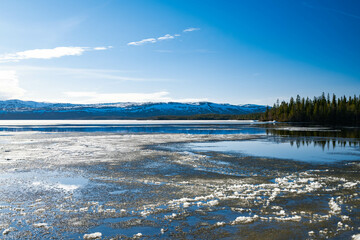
(96, 235)
(293, 218)
(243, 219)
(349, 184)
(8, 230)
(40, 225)
(213, 202)
(138, 235)
(356, 237)
(334, 207)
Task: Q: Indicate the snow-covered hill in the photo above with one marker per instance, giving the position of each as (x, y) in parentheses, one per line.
(17, 109)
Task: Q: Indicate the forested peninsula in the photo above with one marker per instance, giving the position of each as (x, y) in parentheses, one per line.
(323, 109)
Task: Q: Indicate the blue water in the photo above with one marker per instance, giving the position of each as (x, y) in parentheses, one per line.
(311, 153)
(316, 144)
(133, 126)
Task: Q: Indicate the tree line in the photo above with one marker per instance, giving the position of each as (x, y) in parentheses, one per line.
(323, 109)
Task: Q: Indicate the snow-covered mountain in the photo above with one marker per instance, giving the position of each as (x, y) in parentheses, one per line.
(17, 109)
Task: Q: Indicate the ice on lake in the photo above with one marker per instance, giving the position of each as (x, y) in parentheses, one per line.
(177, 180)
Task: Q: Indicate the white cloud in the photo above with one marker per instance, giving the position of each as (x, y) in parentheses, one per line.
(9, 85)
(191, 29)
(152, 40)
(47, 53)
(94, 97)
(103, 48)
(147, 40)
(166, 37)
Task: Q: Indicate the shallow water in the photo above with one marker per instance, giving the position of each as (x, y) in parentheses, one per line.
(134, 126)
(307, 152)
(168, 185)
(43, 179)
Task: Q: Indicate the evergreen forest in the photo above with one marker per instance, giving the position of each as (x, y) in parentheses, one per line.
(324, 109)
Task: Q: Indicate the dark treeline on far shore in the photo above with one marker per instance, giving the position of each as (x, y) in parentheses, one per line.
(323, 109)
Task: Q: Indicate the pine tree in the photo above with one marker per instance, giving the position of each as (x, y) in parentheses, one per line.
(344, 110)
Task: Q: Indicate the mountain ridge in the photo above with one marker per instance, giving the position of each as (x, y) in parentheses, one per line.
(18, 109)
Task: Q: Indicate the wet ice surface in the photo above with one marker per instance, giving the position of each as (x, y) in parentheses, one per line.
(66, 185)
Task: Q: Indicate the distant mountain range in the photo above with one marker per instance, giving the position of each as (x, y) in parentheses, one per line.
(17, 109)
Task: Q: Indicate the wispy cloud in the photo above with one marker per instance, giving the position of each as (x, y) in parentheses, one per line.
(165, 37)
(191, 29)
(141, 42)
(47, 53)
(103, 48)
(9, 85)
(95, 97)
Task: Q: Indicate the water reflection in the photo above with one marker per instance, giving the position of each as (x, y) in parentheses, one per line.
(284, 149)
(323, 143)
(142, 128)
(325, 138)
(311, 131)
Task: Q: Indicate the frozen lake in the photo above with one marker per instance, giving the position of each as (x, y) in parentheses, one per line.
(133, 126)
(178, 180)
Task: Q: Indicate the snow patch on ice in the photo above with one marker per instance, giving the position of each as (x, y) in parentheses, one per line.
(356, 237)
(138, 235)
(40, 225)
(243, 219)
(334, 207)
(67, 187)
(8, 230)
(96, 235)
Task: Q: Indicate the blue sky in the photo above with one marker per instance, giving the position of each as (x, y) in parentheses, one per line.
(237, 52)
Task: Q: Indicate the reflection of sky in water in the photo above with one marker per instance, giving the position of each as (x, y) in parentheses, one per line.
(282, 150)
(300, 150)
(43, 180)
(187, 128)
